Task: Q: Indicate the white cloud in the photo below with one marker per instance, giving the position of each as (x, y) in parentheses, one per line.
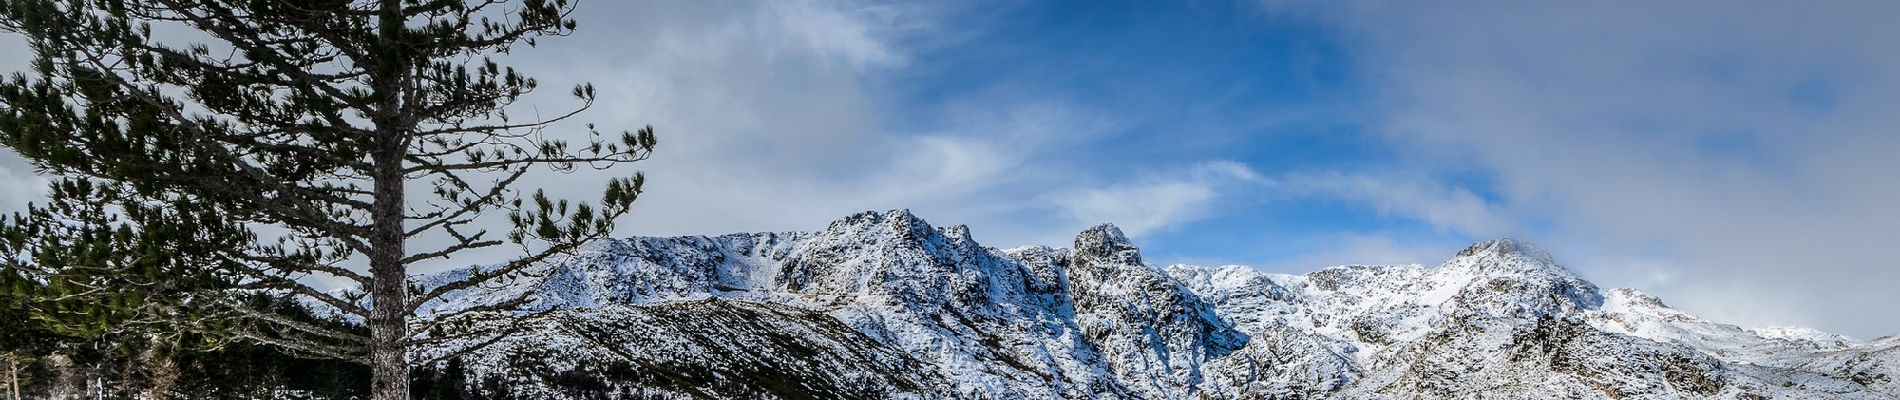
(1159, 202)
(1748, 142)
(1142, 207)
(18, 184)
(1410, 196)
(854, 35)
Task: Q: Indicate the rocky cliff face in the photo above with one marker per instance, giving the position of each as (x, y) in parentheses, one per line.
(1155, 334)
(884, 305)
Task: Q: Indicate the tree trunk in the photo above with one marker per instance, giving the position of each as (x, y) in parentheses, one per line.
(389, 292)
(164, 375)
(13, 377)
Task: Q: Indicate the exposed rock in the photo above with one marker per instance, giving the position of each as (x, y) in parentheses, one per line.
(884, 305)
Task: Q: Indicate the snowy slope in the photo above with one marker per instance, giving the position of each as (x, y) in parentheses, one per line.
(884, 305)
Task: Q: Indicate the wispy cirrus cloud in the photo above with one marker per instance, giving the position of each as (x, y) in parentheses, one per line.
(1159, 201)
(1412, 196)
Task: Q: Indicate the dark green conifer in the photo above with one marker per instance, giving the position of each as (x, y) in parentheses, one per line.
(273, 142)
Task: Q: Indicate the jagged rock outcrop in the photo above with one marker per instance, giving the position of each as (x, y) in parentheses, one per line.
(1155, 333)
(884, 305)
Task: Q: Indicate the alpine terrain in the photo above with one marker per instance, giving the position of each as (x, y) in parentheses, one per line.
(885, 305)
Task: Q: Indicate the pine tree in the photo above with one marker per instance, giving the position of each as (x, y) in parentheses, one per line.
(277, 145)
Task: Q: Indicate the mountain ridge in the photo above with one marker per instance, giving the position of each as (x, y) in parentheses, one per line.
(904, 309)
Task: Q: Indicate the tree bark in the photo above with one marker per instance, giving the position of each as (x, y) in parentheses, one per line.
(389, 328)
(13, 377)
(389, 294)
(388, 323)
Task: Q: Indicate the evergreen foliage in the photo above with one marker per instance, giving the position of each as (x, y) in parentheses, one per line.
(61, 365)
(258, 145)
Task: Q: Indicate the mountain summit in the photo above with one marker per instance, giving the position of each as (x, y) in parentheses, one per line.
(885, 305)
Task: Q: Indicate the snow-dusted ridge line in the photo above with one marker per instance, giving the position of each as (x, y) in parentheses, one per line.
(1094, 320)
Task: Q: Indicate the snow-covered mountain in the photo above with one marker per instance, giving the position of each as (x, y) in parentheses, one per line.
(884, 305)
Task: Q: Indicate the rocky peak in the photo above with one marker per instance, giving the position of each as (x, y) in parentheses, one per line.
(1506, 257)
(1102, 254)
(1507, 248)
(895, 222)
(1513, 277)
(1153, 330)
(1496, 246)
(1106, 243)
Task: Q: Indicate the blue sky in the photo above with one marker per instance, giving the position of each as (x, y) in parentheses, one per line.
(1185, 84)
(1736, 160)
(1189, 83)
(1733, 160)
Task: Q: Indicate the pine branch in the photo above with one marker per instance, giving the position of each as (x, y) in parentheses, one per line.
(312, 126)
